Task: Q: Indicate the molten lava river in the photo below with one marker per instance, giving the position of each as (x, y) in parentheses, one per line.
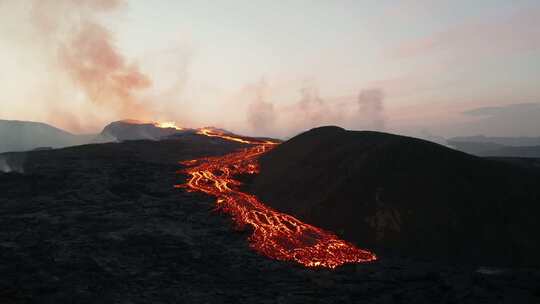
(275, 234)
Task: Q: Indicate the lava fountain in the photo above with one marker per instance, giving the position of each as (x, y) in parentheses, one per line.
(275, 234)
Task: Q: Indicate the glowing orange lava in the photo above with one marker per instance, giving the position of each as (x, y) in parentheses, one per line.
(275, 234)
(216, 133)
(167, 125)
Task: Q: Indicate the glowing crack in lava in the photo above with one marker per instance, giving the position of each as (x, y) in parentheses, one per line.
(275, 235)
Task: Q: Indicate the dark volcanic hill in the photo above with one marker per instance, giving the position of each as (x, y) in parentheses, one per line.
(135, 130)
(406, 196)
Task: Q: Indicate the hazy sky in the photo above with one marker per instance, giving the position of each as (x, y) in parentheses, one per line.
(274, 67)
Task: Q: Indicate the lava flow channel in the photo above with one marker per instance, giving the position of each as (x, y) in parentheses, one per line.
(275, 234)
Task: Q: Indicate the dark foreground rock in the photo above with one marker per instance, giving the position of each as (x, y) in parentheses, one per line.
(103, 224)
(406, 196)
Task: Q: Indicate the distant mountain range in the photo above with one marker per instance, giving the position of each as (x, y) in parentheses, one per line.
(497, 146)
(18, 136)
(504, 141)
(25, 135)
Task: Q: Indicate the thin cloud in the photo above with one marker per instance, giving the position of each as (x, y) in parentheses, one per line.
(517, 32)
(504, 110)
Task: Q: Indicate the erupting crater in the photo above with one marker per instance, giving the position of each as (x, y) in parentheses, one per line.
(275, 234)
(168, 125)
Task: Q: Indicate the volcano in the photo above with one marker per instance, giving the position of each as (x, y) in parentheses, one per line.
(130, 129)
(406, 196)
(106, 223)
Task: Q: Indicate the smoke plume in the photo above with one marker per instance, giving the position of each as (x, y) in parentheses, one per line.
(313, 109)
(86, 52)
(371, 108)
(62, 66)
(260, 113)
(4, 166)
(101, 72)
(7, 167)
(362, 112)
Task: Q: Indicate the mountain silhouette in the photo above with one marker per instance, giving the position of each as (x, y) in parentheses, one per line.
(26, 135)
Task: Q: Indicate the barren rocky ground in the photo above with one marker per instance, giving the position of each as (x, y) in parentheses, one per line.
(103, 224)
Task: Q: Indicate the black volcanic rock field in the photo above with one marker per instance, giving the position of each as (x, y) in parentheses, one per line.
(103, 224)
(404, 195)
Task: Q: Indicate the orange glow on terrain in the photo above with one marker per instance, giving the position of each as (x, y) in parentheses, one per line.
(276, 235)
(167, 125)
(215, 133)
